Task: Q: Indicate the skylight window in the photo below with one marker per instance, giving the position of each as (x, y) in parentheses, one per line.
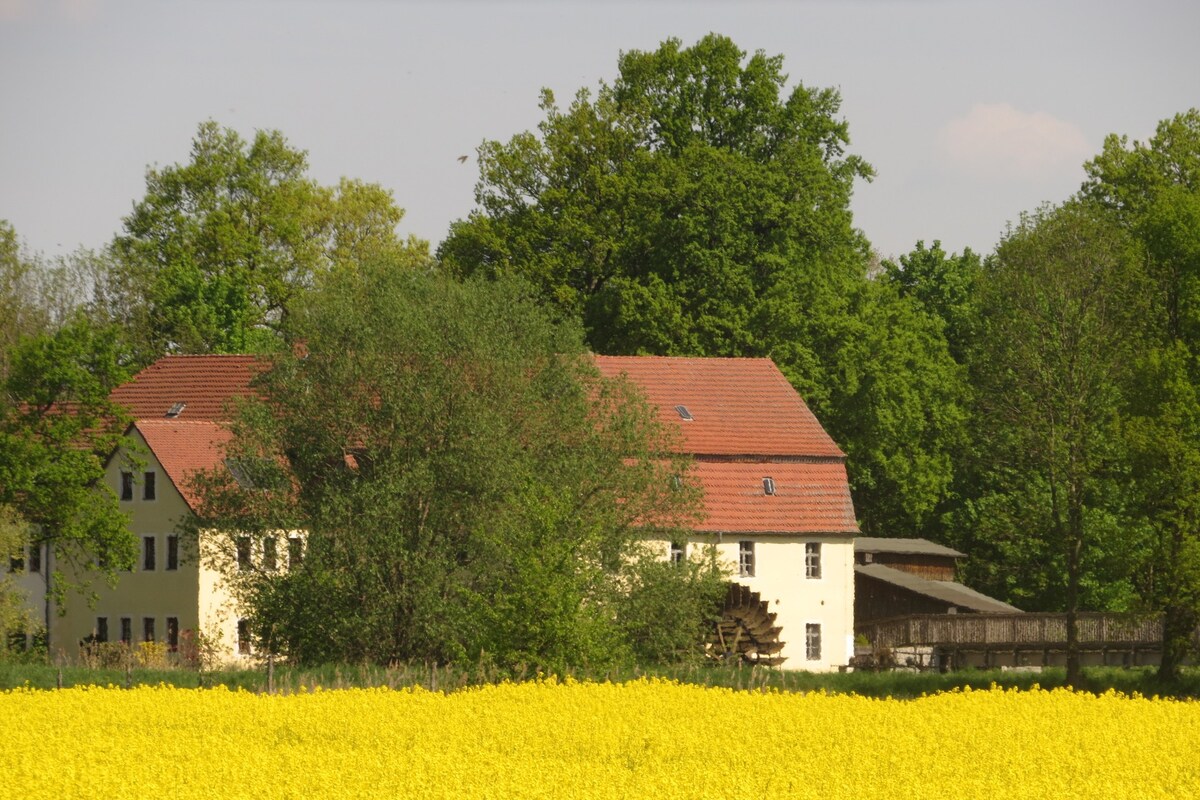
(768, 486)
(176, 410)
(684, 414)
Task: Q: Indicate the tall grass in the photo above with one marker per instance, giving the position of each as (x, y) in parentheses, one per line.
(290, 679)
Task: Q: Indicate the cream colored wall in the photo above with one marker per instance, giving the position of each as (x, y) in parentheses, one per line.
(30, 585)
(188, 593)
(779, 578)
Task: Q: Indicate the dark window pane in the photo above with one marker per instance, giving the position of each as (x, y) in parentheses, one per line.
(269, 553)
(173, 633)
(243, 553)
(295, 552)
(126, 629)
(147, 629)
(101, 629)
(172, 552)
(148, 553)
(148, 486)
(126, 485)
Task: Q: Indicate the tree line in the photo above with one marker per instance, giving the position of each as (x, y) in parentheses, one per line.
(1034, 406)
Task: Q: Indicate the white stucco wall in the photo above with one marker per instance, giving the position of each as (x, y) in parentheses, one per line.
(797, 601)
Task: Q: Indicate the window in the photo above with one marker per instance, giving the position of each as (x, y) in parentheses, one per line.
(147, 629)
(243, 633)
(768, 486)
(16, 564)
(269, 553)
(172, 552)
(243, 553)
(101, 629)
(148, 486)
(175, 410)
(35, 558)
(126, 630)
(173, 634)
(683, 413)
(812, 641)
(678, 552)
(812, 560)
(295, 551)
(746, 559)
(148, 554)
(126, 485)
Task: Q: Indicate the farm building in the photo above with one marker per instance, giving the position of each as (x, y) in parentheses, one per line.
(897, 577)
(776, 502)
(776, 507)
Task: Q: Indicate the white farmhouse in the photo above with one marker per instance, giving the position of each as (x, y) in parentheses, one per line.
(776, 498)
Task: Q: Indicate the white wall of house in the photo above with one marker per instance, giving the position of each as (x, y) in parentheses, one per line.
(781, 578)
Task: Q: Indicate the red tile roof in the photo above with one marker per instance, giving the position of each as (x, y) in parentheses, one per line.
(809, 497)
(184, 448)
(204, 384)
(739, 406)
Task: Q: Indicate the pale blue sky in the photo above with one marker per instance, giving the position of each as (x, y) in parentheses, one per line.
(971, 112)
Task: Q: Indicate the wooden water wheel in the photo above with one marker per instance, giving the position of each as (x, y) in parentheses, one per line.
(746, 630)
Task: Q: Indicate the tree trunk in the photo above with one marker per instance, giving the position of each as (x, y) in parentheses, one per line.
(1179, 625)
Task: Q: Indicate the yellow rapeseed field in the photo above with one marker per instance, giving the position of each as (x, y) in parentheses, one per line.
(646, 739)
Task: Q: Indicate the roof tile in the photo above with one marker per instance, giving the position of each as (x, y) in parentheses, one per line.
(184, 448)
(739, 406)
(204, 384)
(809, 497)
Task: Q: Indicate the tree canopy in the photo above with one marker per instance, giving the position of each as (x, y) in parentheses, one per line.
(697, 206)
(470, 487)
(1153, 189)
(219, 247)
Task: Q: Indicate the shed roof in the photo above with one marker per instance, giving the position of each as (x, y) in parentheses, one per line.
(919, 547)
(738, 406)
(946, 591)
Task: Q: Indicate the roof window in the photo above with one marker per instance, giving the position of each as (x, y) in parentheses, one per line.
(176, 410)
(684, 414)
(768, 486)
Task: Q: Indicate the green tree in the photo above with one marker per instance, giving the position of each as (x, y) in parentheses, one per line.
(57, 430)
(698, 207)
(219, 247)
(1058, 335)
(470, 486)
(14, 538)
(944, 285)
(1153, 189)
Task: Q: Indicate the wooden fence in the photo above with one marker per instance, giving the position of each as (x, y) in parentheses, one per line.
(1013, 631)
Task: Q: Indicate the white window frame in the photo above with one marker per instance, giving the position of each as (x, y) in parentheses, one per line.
(677, 551)
(812, 561)
(746, 558)
(808, 631)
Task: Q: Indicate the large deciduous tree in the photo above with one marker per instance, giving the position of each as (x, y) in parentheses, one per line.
(1153, 188)
(470, 487)
(57, 430)
(699, 207)
(1058, 336)
(220, 246)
